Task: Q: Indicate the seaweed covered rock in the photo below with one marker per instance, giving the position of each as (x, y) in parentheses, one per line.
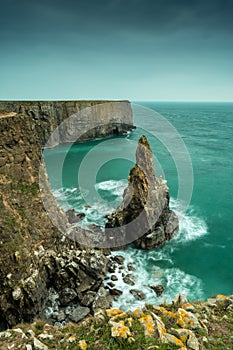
(144, 216)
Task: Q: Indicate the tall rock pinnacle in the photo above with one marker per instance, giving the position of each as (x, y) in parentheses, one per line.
(144, 216)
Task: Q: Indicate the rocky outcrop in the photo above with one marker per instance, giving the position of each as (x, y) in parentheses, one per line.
(180, 325)
(34, 256)
(81, 120)
(144, 216)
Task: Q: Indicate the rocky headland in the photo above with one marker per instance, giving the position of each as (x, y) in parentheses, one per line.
(79, 121)
(144, 216)
(36, 259)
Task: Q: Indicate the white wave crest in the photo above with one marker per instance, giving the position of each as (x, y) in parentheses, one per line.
(191, 225)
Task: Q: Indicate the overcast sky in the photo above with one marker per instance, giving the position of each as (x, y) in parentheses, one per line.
(158, 50)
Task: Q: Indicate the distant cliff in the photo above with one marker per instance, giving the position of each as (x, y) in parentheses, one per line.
(85, 120)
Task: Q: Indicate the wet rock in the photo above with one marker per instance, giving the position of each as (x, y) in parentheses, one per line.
(144, 216)
(78, 313)
(114, 278)
(129, 279)
(115, 291)
(131, 267)
(158, 289)
(72, 217)
(137, 294)
(119, 259)
(111, 284)
(112, 268)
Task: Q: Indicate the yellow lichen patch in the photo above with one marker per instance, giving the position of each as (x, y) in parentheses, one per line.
(149, 328)
(221, 297)
(169, 314)
(148, 324)
(171, 339)
(183, 338)
(82, 344)
(159, 308)
(72, 339)
(119, 316)
(120, 330)
(145, 318)
(187, 305)
(113, 312)
(137, 312)
(186, 319)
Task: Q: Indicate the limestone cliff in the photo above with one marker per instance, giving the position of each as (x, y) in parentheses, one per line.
(85, 120)
(34, 256)
(144, 216)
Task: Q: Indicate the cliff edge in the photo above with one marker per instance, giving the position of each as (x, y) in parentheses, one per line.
(80, 120)
(36, 260)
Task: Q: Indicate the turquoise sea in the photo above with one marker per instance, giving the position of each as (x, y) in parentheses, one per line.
(198, 261)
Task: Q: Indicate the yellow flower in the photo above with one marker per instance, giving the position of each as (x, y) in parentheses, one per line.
(82, 344)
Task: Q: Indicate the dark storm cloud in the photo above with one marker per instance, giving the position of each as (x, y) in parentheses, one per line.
(117, 48)
(152, 16)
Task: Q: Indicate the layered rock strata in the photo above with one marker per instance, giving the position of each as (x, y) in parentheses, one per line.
(144, 216)
(35, 257)
(79, 121)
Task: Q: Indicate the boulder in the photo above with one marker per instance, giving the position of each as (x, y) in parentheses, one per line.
(158, 289)
(137, 294)
(74, 218)
(129, 279)
(78, 313)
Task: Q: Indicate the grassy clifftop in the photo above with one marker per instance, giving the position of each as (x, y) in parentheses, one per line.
(180, 325)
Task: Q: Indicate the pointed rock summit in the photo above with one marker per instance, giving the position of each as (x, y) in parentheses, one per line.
(144, 216)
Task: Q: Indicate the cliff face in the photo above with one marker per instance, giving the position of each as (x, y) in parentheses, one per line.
(34, 256)
(144, 216)
(85, 120)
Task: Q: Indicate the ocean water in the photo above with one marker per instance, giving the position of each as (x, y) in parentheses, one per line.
(198, 261)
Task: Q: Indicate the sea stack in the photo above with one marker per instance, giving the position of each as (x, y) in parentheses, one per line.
(144, 216)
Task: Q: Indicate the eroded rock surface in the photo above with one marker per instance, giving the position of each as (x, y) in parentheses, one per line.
(84, 120)
(34, 255)
(144, 216)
